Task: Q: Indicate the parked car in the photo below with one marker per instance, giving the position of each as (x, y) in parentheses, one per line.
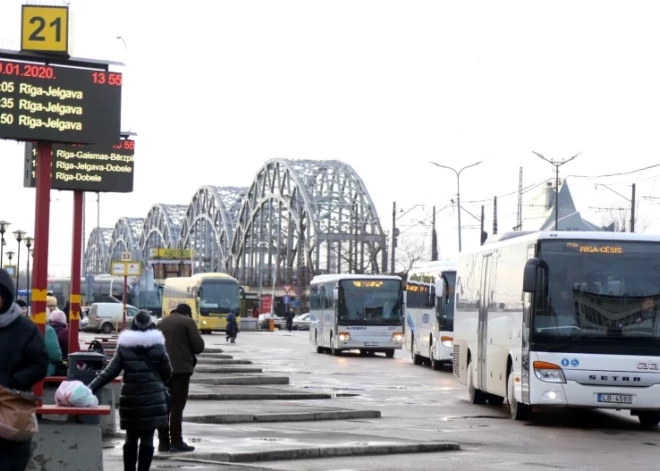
(301, 322)
(108, 317)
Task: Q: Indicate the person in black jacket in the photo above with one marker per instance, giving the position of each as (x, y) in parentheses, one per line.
(143, 399)
(24, 363)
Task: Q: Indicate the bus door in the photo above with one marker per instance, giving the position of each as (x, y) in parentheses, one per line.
(483, 322)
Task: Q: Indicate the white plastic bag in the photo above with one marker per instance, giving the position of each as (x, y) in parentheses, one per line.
(75, 394)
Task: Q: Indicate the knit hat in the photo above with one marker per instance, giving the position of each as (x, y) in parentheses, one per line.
(184, 309)
(142, 321)
(57, 316)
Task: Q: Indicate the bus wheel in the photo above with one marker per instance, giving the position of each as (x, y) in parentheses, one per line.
(106, 328)
(435, 364)
(417, 360)
(477, 396)
(649, 418)
(518, 411)
(389, 353)
(316, 342)
(335, 351)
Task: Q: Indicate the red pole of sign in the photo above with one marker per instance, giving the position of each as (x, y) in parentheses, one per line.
(76, 256)
(41, 226)
(124, 314)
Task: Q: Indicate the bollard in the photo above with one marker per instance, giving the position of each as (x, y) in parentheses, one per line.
(271, 325)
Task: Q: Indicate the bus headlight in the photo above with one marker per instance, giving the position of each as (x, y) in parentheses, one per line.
(344, 336)
(397, 337)
(549, 372)
(203, 322)
(447, 342)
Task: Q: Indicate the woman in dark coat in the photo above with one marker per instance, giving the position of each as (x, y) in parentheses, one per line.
(24, 363)
(143, 400)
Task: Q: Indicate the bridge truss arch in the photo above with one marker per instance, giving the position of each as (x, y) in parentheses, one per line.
(304, 217)
(125, 238)
(96, 260)
(208, 227)
(161, 229)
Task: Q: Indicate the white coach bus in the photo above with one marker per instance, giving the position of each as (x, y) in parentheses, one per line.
(429, 324)
(356, 312)
(566, 319)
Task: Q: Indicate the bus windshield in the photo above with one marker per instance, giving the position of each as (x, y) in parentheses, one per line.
(600, 291)
(369, 301)
(445, 311)
(218, 296)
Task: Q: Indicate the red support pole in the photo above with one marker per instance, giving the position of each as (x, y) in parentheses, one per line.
(76, 262)
(41, 230)
(124, 299)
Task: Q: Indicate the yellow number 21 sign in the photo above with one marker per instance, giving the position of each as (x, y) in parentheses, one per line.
(45, 29)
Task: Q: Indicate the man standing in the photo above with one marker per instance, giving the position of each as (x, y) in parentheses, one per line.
(183, 341)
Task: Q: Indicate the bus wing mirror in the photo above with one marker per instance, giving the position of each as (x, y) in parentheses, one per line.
(404, 297)
(335, 293)
(440, 287)
(530, 275)
(536, 271)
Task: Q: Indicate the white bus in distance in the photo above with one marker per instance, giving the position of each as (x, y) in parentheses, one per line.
(429, 323)
(565, 319)
(356, 312)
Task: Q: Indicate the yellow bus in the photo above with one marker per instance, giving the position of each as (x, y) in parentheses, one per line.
(210, 297)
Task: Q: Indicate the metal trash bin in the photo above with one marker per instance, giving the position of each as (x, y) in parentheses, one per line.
(85, 367)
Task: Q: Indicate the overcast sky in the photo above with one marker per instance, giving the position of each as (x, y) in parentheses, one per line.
(213, 89)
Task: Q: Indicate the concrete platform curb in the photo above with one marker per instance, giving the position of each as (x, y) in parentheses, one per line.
(284, 417)
(212, 350)
(226, 369)
(242, 380)
(255, 397)
(221, 361)
(323, 452)
(215, 355)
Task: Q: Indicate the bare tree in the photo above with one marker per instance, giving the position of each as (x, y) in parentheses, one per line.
(618, 220)
(409, 253)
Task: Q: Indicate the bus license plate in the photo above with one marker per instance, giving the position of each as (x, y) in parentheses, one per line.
(615, 398)
(370, 344)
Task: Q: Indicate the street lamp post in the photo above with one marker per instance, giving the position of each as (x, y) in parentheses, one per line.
(3, 228)
(10, 255)
(458, 194)
(20, 235)
(29, 242)
(556, 165)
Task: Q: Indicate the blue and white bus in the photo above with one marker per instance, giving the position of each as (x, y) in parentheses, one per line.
(429, 326)
(356, 312)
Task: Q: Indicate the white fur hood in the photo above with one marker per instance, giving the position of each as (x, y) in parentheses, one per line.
(136, 338)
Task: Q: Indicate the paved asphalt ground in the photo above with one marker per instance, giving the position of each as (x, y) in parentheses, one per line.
(417, 405)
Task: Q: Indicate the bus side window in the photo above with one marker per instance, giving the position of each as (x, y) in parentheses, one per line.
(314, 296)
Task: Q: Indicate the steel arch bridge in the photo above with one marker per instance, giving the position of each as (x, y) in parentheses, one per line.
(97, 253)
(125, 238)
(162, 228)
(305, 217)
(208, 227)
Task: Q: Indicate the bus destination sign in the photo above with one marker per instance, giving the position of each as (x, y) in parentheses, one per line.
(97, 168)
(54, 103)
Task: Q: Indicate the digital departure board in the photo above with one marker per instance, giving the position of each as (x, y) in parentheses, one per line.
(595, 247)
(97, 168)
(41, 102)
